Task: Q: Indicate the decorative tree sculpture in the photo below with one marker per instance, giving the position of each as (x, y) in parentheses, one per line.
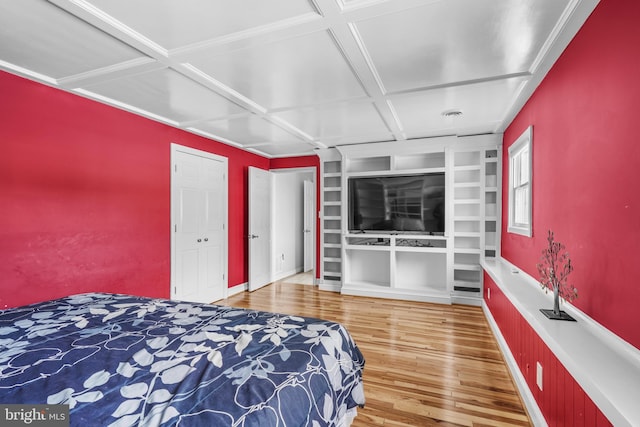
(554, 268)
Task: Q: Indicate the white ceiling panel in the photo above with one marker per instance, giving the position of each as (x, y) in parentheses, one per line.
(250, 130)
(304, 70)
(482, 106)
(166, 93)
(458, 40)
(40, 37)
(283, 77)
(173, 24)
(342, 120)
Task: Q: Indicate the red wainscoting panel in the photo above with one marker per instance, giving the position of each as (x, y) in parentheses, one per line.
(562, 401)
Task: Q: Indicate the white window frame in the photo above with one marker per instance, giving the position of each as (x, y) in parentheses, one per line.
(520, 184)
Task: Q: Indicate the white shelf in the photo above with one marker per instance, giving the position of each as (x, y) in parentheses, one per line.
(467, 168)
(466, 250)
(468, 267)
(468, 218)
(467, 234)
(333, 245)
(424, 249)
(368, 247)
(333, 273)
(606, 367)
(466, 184)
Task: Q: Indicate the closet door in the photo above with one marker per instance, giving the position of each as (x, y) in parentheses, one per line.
(199, 215)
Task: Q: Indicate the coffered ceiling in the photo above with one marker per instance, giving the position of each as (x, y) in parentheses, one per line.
(283, 77)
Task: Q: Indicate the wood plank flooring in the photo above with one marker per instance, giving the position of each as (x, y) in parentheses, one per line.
(426, 364)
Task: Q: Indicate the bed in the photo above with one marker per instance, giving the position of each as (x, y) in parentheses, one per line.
(121, 360)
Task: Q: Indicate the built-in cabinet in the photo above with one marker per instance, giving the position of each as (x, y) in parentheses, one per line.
(417, 266)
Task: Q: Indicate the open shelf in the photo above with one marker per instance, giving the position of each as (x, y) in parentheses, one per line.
(369, 267)
(420, 161)
(421, 271)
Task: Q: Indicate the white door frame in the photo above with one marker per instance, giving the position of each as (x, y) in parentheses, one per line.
(314, 179)
(179, 148)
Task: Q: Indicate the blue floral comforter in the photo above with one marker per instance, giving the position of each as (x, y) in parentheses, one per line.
(119, 360)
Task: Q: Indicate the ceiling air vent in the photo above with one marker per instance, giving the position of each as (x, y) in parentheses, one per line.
(452, 113)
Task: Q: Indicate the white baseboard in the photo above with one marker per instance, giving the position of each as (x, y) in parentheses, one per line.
(527, 397)
(282, 275)
(439, 297)
(237, 289)
(331, 287)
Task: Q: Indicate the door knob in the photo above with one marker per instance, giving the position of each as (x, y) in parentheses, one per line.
(199, 240)
(253, 236)
(206, 239)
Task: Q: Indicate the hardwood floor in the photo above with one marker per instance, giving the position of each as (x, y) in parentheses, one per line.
(426, 364)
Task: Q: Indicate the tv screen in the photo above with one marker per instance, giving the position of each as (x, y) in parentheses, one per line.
(411, 204)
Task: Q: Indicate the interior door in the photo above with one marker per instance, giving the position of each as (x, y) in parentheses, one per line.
(309, 224)
(199, 216)
(260, 189)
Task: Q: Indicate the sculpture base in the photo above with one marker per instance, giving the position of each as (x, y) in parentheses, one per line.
(561, 316)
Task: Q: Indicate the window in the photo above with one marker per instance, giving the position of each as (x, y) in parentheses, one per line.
(520, 184)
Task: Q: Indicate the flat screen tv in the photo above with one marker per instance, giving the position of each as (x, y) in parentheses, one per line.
(408, 204)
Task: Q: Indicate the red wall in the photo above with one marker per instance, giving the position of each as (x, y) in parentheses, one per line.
(562, 401)
(85, 196)
(586, 166)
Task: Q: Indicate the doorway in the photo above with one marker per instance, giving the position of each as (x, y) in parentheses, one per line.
(289, 229)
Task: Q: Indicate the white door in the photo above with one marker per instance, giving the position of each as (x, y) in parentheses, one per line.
(199, 215)
(309, 224)
(259, 228)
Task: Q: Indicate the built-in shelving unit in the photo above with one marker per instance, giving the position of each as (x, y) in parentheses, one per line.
(331, 220)
(492, 207)
(467, 224)
(475, 218)
(438, 268)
